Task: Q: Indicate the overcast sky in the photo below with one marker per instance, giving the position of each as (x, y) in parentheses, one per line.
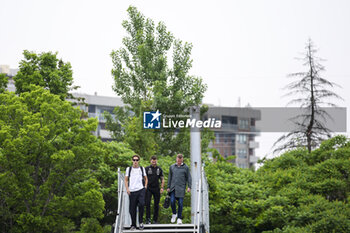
(242, 49)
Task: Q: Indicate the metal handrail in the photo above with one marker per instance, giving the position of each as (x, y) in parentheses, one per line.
(119, 218)
(205, 203)
(195, 213)
(202, 213)
(199, 209)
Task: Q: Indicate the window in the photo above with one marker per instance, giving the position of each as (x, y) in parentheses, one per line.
(229, 120)
(243, 123)
(242, 153)
(242, 138)
(251, 152)
(92, 108)
(226, 138)
(252, 122)
(217, 138)
(233, 139)
(233, 151)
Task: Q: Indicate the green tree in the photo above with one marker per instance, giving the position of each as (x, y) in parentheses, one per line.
(47, 71)
(145, 80)
(295, 192)
(310, 129)
(315, 187)
(47, 159)
(114, 155)
(141, 71)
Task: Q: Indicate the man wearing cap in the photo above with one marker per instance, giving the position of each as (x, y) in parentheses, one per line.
(179, 176)
(154, 174)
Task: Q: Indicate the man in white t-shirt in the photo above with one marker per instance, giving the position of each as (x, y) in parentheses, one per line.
(136, 184)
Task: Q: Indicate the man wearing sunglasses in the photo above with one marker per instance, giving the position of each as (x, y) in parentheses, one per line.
(136, 184)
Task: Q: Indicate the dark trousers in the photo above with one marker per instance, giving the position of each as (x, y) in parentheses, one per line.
(136, 199)
(180, 201)
(155, 192)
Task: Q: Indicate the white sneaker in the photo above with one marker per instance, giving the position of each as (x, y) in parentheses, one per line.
(173, 218)
(179, 221)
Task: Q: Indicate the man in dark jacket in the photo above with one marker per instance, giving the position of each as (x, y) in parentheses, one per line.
(179, 176)
(154, 174)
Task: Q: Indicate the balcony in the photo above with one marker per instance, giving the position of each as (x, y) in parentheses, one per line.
(105, 134)
(229, 126)
(92, 115)
(100, 116)
(253, 159)
(253, 144)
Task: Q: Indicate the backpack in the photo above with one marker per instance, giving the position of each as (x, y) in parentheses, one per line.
(143, 178)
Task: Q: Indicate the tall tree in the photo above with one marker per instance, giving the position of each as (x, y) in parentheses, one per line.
(47, 159)
(312, 91)
(146, 81)
(47, 71)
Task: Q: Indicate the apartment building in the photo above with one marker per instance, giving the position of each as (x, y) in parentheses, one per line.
(237, 134)
(96, 106)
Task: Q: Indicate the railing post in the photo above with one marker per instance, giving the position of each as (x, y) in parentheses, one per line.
(119, 220)
(196, 162)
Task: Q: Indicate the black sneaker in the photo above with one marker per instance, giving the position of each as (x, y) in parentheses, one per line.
(148, 221)
(141, 226)
(132, 228)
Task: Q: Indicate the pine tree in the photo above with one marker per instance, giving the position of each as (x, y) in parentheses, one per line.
(312, 91)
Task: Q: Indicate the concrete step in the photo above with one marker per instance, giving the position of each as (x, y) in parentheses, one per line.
(164, 228)
(168, 225)
(160, 230)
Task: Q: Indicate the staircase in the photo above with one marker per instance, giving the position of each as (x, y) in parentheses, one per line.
(201, 218)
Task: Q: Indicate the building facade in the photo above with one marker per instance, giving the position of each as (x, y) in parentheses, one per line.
(96, 106)
(237, 134)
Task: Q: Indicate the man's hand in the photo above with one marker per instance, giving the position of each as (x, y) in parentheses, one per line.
(161, 190)
(168, 190)
(188, 190)
(128, 191)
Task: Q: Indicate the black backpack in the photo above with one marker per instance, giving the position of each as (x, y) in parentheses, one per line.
(143, 178)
